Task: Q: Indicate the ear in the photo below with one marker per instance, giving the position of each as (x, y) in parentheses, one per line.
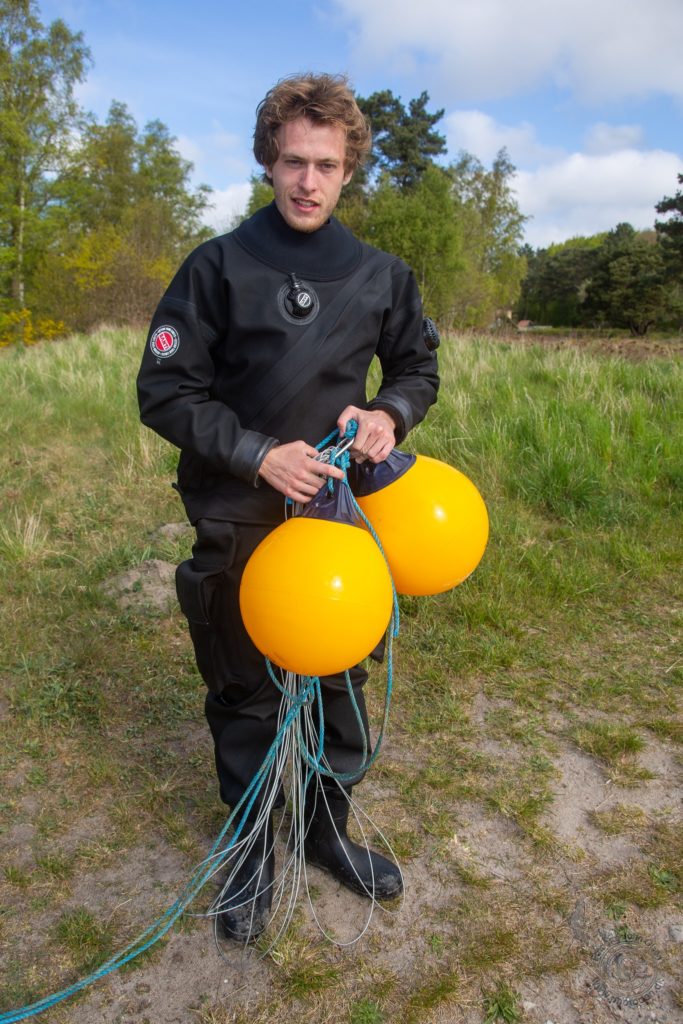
(347, 178)
(268, 172)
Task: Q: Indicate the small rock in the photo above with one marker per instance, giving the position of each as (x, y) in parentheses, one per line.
(528, 1006)
(151, 584)
(676, 932)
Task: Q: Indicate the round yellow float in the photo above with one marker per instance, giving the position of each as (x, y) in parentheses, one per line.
(433, 525)
(316, 596)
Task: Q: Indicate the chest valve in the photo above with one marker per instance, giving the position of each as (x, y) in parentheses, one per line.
(299, 300)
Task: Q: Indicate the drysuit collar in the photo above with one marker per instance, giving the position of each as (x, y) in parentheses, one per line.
(329, 253)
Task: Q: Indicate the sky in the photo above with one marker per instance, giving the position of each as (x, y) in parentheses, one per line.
(586, 95)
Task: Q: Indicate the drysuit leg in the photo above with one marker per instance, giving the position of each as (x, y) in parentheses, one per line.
(242, 703)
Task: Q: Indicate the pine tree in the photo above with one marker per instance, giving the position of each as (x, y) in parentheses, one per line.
(404, 141)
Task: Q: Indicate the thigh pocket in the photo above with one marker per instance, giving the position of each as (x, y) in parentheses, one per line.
(204, 598)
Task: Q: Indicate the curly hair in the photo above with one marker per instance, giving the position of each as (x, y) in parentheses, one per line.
(327, 99)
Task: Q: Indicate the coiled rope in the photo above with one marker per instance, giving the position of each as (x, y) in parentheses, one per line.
(299, 743)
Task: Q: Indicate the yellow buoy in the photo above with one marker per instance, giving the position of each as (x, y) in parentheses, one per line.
(316, 596)
(433, 525)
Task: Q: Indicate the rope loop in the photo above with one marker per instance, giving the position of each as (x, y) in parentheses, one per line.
(301, 700)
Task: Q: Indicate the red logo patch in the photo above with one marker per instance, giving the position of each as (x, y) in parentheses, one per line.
(164, 342)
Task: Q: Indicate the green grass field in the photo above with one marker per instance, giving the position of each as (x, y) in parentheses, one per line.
(533, 769)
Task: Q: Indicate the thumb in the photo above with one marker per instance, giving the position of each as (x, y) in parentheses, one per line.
(347, 422)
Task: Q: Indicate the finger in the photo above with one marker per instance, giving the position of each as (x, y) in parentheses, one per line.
(302, 497)
(376, 448)
(324, 469)
(349, 413)
(308, 450)
(380, 446)
(381, 454)
(363, 434)
(367, 445)
(304, 490)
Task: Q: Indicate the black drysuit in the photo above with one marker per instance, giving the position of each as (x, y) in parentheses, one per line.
(234, 365)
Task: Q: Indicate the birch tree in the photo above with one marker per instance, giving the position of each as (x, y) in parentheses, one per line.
(39, 68)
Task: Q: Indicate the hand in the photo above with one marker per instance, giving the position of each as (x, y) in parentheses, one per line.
(292, 469)
(376, 435)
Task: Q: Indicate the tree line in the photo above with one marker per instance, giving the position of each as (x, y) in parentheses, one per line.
(621, 278)
(95, 217)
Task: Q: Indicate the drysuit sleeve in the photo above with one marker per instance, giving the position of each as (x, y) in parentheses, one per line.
(410, 375)
(176, 379)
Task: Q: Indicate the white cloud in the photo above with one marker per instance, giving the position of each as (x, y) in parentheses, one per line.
(583, 193)
(481, 135)
(604, 138)
(600, 49)
(567, 194)
(227, 204)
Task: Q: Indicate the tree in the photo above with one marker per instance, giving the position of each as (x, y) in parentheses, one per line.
(419, 225)
(127, 216)
(261, 194)
(670, 232)
(115, 167)
(492, 234)
(39, 68)
(101, 178)
(404, 141)
(553, 290)
(628, 287)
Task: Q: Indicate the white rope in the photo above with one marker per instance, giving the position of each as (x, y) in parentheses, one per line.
(288, 842)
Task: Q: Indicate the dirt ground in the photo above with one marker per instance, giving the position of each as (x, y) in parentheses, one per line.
(633, 349)
(624, 972)
(620, 974)
(616, 978)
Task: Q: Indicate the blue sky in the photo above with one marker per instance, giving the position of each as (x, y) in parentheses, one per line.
(587, 95)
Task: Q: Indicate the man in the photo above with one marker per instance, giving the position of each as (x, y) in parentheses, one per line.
(259, 348)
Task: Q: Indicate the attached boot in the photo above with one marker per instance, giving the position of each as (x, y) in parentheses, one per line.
(245, 906)
(328, 846)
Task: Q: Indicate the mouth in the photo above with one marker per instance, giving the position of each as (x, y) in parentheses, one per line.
(304, 204)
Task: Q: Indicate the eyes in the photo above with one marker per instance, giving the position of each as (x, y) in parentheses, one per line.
(326, 166)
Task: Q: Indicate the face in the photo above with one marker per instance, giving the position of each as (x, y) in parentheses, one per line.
(309, 172)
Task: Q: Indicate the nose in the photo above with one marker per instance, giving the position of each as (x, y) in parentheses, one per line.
(307, 178)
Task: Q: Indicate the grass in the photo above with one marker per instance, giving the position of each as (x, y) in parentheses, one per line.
(564, 644)
(366, 1011)
(501, 1005)
(88, 940)
(616, 745)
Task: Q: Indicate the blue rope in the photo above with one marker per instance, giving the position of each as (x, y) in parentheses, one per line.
(205, 870)
(343, 461)
(309, 691)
